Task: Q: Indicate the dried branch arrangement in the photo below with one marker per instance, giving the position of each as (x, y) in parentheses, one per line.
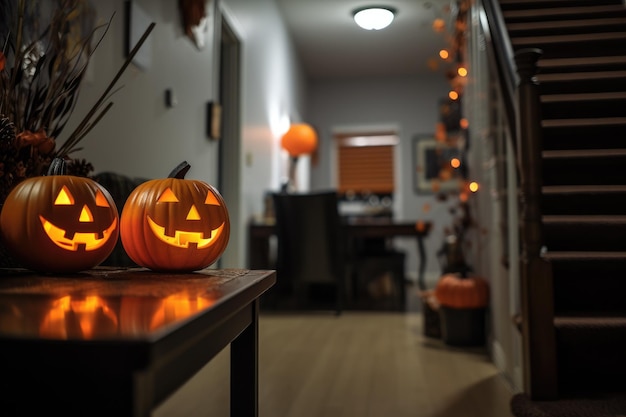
(42, 66)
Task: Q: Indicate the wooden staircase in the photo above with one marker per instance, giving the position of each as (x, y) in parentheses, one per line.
(582, 93)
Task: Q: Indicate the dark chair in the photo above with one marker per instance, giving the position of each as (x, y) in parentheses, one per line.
(310, 250)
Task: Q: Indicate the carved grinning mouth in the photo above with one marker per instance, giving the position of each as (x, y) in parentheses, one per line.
(90, 241)
(182, 239)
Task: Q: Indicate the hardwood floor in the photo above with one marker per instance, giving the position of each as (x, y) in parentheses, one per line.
(374, 364)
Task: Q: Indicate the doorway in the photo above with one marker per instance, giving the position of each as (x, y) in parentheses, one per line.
(229, 169)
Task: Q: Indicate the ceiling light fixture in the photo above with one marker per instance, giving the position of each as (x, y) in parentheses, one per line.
(374, 17)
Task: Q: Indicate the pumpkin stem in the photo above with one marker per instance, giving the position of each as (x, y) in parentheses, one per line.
(57, 167)
(180, 171)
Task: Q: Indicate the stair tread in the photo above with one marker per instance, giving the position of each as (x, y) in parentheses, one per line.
(583, 153)
(581, 61)
(557, 11)
(577, 320)
(583, 189)
(560, 24)
(584, 256)
(577, 37)
(580, 76)
(597, 121)
(584, 218)
(552, 98)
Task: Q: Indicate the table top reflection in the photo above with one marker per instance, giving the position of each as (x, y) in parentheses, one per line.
(109, 303)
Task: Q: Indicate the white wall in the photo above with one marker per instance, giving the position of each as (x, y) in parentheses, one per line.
(273, 93)
(495, 208)
(141, 137)
(408, 105)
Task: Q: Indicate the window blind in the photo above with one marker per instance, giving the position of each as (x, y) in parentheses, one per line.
(366, 164)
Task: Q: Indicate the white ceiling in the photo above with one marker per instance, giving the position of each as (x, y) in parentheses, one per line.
(330, 44)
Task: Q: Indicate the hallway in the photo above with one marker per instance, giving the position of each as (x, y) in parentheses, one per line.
(375, 364)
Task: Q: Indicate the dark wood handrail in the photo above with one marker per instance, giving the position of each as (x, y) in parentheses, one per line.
(494, 29)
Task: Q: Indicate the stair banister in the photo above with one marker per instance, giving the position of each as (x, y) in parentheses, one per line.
(516, 74)
(537, 297)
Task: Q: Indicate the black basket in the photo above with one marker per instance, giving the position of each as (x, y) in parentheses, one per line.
(463, 326)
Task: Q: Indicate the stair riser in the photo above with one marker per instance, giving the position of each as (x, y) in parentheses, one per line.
(589, 48)
(589, 285)
(582, 237)
(551, 28)
(584, 204)
(591, 360)
(583, 109)
(585, 137)
(580, 171)
(601, 85)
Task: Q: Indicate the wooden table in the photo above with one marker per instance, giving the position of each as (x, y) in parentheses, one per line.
(117, 342)
(259, 235)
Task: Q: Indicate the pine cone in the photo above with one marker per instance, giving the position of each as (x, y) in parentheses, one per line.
(7, 133)
(79, 168)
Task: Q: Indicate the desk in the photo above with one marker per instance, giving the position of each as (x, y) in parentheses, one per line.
(259, 235)
(117, 342)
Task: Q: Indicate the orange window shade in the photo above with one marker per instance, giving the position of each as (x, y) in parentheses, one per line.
(366, 169)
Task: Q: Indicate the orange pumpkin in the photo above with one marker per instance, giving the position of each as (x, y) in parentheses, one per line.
(175, 224)
(59, 223)
(455, 291)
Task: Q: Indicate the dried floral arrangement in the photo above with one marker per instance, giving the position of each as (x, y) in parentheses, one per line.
(45, 50)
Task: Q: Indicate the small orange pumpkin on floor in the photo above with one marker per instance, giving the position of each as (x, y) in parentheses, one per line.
(455, 291)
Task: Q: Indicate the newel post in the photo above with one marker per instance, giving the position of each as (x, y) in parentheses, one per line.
(539, 342)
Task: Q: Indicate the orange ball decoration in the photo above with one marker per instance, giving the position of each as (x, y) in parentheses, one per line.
(300, 139)
(175, 224)
(59, 223)
(459, 292)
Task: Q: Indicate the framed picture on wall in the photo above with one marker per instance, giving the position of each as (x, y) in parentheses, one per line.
(137, 20)
(434, 171)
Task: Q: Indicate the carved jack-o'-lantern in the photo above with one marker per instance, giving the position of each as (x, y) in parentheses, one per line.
(175, 224)
(59, 223)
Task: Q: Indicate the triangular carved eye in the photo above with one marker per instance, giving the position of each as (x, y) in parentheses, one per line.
(193, 213)
(168, 196)
(101, 200)
(64, 198)
(211, 200)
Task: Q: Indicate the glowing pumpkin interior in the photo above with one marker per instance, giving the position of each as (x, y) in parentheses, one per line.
(77, 230)
(194, 235)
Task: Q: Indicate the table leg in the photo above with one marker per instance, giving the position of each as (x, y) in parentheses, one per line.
(244, 369)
